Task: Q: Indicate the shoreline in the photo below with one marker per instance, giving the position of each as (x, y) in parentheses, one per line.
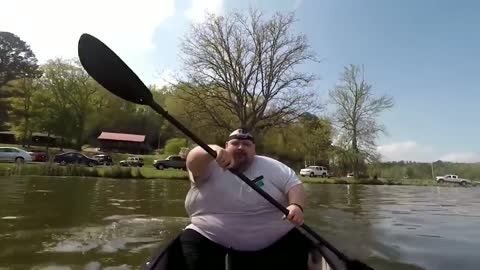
(116, 172)
(351, 181)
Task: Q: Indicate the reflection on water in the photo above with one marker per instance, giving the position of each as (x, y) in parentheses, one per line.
(87, 223)
(427, 227)
(81, 223)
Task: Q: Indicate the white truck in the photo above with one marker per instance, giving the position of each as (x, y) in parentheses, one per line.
(132, 161)
(452, 178)
(314, 171)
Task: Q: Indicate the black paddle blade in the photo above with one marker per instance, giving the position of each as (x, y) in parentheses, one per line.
(111, 72)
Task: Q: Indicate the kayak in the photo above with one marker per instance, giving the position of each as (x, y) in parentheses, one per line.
(169, 257)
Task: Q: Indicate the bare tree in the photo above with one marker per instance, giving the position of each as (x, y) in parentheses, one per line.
(240, 70)
(357, 110)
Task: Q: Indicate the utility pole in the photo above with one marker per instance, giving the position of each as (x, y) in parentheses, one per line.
(433, 175)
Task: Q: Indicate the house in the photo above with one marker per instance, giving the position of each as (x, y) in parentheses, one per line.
(36, 138)
(46, 139)
(7, 137)
(122, 142)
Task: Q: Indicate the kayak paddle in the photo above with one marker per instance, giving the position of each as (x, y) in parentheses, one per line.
(103, 65)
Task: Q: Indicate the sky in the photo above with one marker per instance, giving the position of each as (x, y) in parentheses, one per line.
(422, 53)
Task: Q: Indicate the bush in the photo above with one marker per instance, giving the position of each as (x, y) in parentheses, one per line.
(52, 169)
(391, 182)
(173, 146)
(370, 181)
(122, 172)
(341, 181)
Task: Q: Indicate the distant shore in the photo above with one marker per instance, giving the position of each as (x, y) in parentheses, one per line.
(411, 182)
(149, 172)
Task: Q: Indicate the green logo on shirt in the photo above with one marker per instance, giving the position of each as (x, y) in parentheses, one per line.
(259, 181)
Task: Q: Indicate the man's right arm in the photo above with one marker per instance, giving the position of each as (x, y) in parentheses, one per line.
(197, 162)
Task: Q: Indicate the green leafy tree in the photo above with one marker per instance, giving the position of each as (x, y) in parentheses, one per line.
(51, 116)
(174, 145)
(307, 139)
(73, 91)
(189, 115)
(113, 114)
(16, 61)
(316, 138)
(22, 106)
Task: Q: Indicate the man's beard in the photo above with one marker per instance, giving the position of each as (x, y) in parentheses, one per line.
(241, 160)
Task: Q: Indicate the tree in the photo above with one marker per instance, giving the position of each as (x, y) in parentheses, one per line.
(16, 61)
(73, 92)
(174, 145)
(306, 139)
(51, 116)
(357, 110)
(114, 114)
(241, 71)
(22, 105)
(317, 140)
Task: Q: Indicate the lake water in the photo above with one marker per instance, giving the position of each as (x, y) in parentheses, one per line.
(94, 223)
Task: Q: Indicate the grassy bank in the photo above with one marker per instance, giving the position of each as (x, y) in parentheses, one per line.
(147, 159)
(149, 172)
(51, 169)
(410, 182)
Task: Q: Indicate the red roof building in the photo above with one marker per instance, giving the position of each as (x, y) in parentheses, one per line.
(123, 142)
(121, 137)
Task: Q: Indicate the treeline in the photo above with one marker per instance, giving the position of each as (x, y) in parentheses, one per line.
(420, 170)
(239, 70)
(62, 100)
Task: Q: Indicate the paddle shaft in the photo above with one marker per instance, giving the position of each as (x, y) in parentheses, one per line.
(155, 106)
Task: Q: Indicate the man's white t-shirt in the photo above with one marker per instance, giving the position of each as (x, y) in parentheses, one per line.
(227, 211)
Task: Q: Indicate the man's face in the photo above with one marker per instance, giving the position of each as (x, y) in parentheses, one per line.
(243, 153)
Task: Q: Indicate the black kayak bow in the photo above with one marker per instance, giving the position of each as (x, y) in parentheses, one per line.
(103, 65)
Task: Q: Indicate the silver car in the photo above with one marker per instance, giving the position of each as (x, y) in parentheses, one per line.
(14, 154)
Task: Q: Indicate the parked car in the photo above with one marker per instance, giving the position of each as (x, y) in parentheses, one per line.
(132, 161)
(75, 158)
(104, 159)
(173, 161)
(14, 154)
(452, 178)
(38, 155)
(314, 171)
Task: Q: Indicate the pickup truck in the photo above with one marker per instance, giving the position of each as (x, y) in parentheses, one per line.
(132, 161)
(173, 161)
(452, 178)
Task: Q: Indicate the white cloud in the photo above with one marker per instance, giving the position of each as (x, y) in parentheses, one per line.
(462, 157)
(199, 8)
(413, 151)
(52, 27)
(407, 150)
